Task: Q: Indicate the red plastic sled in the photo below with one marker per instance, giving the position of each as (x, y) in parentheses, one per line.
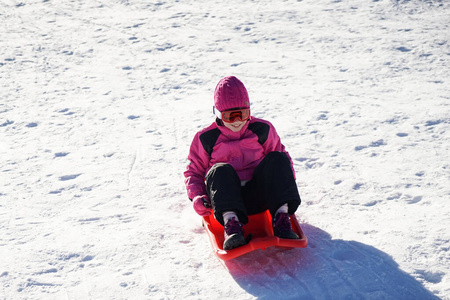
(260, 226)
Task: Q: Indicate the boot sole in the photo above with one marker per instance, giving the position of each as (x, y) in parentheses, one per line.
(234, 241)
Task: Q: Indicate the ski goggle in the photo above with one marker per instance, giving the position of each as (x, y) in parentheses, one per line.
(230, 116)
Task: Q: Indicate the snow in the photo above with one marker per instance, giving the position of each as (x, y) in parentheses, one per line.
(99, 101)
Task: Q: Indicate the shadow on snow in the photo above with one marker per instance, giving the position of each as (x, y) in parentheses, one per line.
(326, 269)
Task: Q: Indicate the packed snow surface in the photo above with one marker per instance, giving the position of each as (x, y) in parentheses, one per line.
(100, 100)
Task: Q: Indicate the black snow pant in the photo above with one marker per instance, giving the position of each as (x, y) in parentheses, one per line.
(272, 186)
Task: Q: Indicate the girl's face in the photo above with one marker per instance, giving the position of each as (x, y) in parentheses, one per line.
(235, 126)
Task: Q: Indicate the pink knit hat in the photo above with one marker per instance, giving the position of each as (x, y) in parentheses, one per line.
(230, 93)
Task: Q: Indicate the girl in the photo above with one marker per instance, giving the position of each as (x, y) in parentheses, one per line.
(238, 167)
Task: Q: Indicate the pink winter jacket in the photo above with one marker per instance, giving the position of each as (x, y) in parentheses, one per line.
(243, 150)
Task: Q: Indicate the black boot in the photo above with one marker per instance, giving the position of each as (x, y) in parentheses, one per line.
(234, 235)
(282, 227)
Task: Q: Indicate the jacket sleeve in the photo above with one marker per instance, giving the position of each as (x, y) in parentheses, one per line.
(273, 143)
(196, 169)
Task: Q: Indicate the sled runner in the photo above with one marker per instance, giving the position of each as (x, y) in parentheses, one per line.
(258, 231)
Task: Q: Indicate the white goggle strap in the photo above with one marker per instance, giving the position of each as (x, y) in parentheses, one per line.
(217, 113)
